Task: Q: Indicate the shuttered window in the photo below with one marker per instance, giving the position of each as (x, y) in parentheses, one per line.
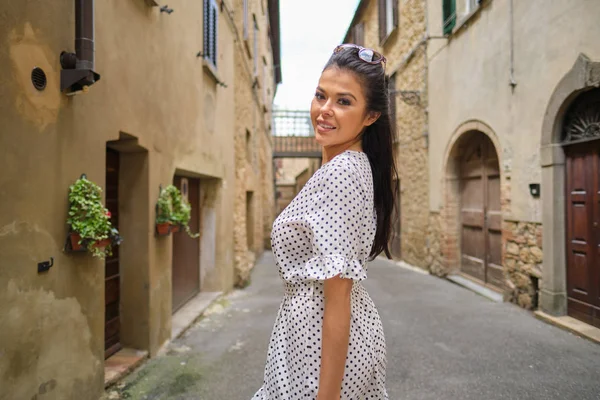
(246, 33)
(211, 16)
(392, 97)
(359, 34)
(449, 15)
(388, 18)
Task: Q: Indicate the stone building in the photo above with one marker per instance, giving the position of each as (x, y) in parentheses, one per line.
(397, 29)
(162, 112)
(516, 87)
(497, 108)
(258, 71)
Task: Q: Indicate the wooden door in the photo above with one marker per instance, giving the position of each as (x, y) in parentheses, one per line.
(480, 214)
(112, 283)
(186, 250)
(583, 232)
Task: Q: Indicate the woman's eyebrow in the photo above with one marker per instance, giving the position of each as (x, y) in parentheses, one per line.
(339, 94)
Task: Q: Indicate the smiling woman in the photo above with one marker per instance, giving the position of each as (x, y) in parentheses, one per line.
(328, 340)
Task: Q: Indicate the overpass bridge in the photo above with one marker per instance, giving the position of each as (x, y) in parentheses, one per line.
(293, 135)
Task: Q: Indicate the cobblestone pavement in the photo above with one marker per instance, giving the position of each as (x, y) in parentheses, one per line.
(444, 342)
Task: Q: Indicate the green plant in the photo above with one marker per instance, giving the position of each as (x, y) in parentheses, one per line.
(89, 218)
(171, 207)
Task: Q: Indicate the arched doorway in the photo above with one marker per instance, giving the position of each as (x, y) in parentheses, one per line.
(563, 192)
(581, 141)
(480, 217)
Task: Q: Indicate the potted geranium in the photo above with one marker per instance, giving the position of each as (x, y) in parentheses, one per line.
(164, 211)
(89, 220)
(174, 211)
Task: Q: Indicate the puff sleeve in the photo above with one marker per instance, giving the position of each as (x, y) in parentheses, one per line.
(336, 221)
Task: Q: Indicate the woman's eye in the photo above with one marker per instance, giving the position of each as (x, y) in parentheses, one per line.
(344, 102)
(319, 96)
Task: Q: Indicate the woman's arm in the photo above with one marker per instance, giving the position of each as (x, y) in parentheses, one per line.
(335, 337)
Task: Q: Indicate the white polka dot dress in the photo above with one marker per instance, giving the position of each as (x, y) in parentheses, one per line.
(327, 230)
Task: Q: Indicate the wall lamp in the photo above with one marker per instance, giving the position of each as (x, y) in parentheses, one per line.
(534, 189)
(410, 97)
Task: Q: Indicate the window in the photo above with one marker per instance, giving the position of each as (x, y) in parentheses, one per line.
(392, 96)
(211, 16)
(449, 16)
(465, 7)
(388, 18)
(255, 49)
(246, 20)
(264, 80)
(470, 6)
(358, 34)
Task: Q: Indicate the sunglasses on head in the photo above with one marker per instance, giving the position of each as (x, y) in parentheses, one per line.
(367, 55)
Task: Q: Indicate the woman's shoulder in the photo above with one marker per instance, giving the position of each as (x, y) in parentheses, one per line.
(349, 162)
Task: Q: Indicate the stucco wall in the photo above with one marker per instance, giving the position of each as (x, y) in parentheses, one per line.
(153, 89)
(469, 79)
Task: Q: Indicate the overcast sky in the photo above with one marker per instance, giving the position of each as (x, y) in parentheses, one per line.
(310, 29)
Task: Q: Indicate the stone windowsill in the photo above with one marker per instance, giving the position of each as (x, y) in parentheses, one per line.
(211, 70)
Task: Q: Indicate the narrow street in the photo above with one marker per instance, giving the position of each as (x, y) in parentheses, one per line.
(444, 342)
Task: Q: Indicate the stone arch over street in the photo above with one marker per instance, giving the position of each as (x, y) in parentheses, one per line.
(472, 205)
(583, 77)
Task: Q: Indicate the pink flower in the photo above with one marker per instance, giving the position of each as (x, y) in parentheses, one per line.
(108, 214)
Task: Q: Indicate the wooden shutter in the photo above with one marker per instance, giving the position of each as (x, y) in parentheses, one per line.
(359, 34)
(211, 17)
(215, 17)
(449, 15)
(396, 11)
(392, 96)
(246, 19)
(382, 19)
(206, 26)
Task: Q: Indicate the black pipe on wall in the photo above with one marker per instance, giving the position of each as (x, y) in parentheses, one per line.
(78, 68)
(84, 33)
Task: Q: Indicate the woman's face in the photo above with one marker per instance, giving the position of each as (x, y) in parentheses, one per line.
(339, 109)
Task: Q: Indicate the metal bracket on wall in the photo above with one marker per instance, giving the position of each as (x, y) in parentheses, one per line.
(45, 265)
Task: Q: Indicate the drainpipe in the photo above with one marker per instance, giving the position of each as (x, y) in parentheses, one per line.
(78, 68)
(512, 82)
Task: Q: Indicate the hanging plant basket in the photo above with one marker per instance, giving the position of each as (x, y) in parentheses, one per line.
(73, 243)
(102, 244)
(163, 229)
(173, 209)
(175, 228)
(90, 228)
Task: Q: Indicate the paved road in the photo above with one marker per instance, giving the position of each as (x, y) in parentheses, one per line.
(444, 342)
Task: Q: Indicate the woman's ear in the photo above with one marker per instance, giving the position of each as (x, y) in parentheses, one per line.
(372, 117)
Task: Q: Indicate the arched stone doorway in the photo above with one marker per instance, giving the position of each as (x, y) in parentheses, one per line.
(570, 155)
(581, 142)
(472, 209)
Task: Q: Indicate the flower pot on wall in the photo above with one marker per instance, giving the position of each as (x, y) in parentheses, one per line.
(73, 242)
(175, 228)
(101, 243)
(163, 229)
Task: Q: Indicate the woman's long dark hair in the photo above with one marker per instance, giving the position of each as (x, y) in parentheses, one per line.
(377, 141)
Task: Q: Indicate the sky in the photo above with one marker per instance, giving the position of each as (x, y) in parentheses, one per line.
(310, 30)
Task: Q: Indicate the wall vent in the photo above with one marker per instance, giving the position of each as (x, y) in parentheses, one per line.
(38, 78)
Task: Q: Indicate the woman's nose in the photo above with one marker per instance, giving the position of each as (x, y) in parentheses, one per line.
(326, 108)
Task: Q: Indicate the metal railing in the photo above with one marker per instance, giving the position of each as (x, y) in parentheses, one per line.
(293, 135)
